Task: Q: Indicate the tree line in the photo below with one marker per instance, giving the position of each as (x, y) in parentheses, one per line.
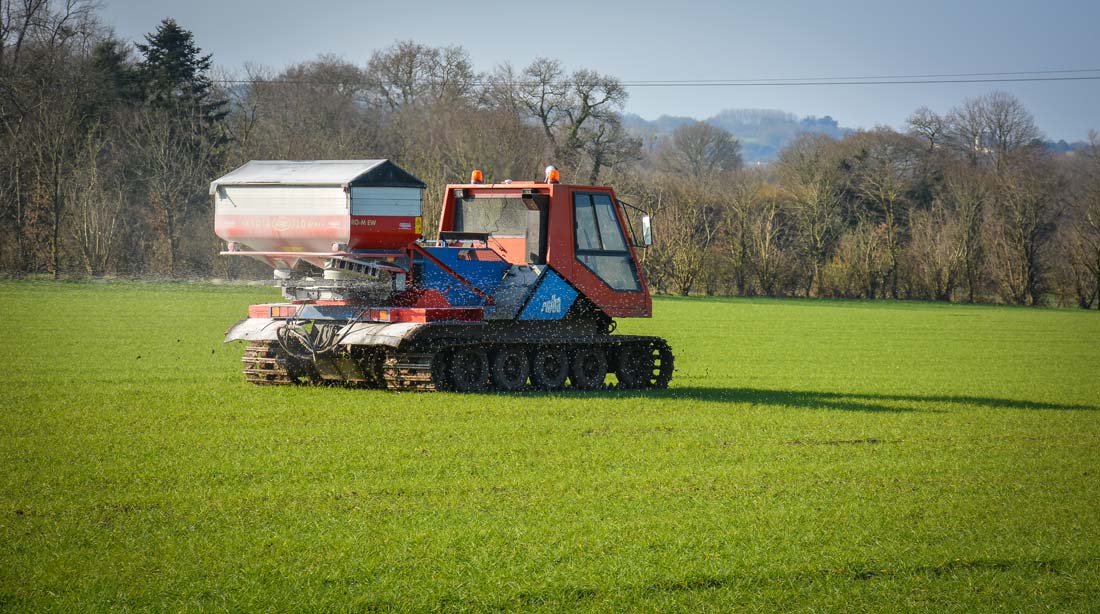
(968, 206)
(107, 151)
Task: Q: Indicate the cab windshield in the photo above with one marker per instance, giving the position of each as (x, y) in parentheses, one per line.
(500, 217)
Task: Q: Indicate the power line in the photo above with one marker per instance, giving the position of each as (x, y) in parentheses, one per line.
(941, 78)
(858, 82)
(1006, 74)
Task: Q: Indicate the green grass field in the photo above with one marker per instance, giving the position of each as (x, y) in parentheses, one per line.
(809, 455)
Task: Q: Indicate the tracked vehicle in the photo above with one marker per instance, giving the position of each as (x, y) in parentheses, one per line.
(520, 290)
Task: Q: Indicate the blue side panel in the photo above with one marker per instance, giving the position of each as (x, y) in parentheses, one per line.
(481, 267)
(551, 299)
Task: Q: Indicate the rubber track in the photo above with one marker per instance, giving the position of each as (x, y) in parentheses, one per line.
(264, 366)
(412, 371)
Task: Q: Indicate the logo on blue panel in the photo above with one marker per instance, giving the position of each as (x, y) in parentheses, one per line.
(553, 305)
(551, 299)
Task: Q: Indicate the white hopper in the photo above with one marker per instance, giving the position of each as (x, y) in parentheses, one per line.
(310, 206)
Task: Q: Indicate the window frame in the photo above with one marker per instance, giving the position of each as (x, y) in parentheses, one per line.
(625, 253)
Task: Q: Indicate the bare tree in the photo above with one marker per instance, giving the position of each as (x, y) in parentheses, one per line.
(607, 144)
(44, 92)
(927, 125)
(54, 137)
(408, 72)
(687, 222)
(578, 114)
(50, 27)
(885, 165)
(967, 130)
(809, 174)
(96, 209)
(1010, 125)
(544, 93)
(501, 90)
(174, 173)
(310, 110)
(398, 75)
(856, 268)
(992, 127)
(451, 75)
(740, 199)
(935, 254)
(594, 98)
(1081, 240)
(965, 192)
(701, 151)
(1018, 229)
(766, 226)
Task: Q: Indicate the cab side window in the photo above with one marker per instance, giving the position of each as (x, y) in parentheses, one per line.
(601, 244)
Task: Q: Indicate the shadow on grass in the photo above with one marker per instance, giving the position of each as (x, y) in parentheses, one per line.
(809, 399)
(845, 575)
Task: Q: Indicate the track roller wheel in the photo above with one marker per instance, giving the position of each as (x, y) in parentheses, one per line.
(648, 364)
(549, 367)
(510, 368)
(589, 368)
(469, 369)
(441, 371)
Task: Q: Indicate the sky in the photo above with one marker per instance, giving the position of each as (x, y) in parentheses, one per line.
(649, 40)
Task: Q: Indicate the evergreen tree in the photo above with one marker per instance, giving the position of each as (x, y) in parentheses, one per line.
(173, 77)
(115, 73)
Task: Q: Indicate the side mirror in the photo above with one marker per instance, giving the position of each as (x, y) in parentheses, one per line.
(647, 231)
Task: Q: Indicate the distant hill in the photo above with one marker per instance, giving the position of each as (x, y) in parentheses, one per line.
(762, 132)
(1062, 147)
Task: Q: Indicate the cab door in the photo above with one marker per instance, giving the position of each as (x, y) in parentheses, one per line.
(601, 248)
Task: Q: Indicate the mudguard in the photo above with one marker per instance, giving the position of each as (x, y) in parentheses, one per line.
(378, 333)
(254, 329)
(360, 333)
